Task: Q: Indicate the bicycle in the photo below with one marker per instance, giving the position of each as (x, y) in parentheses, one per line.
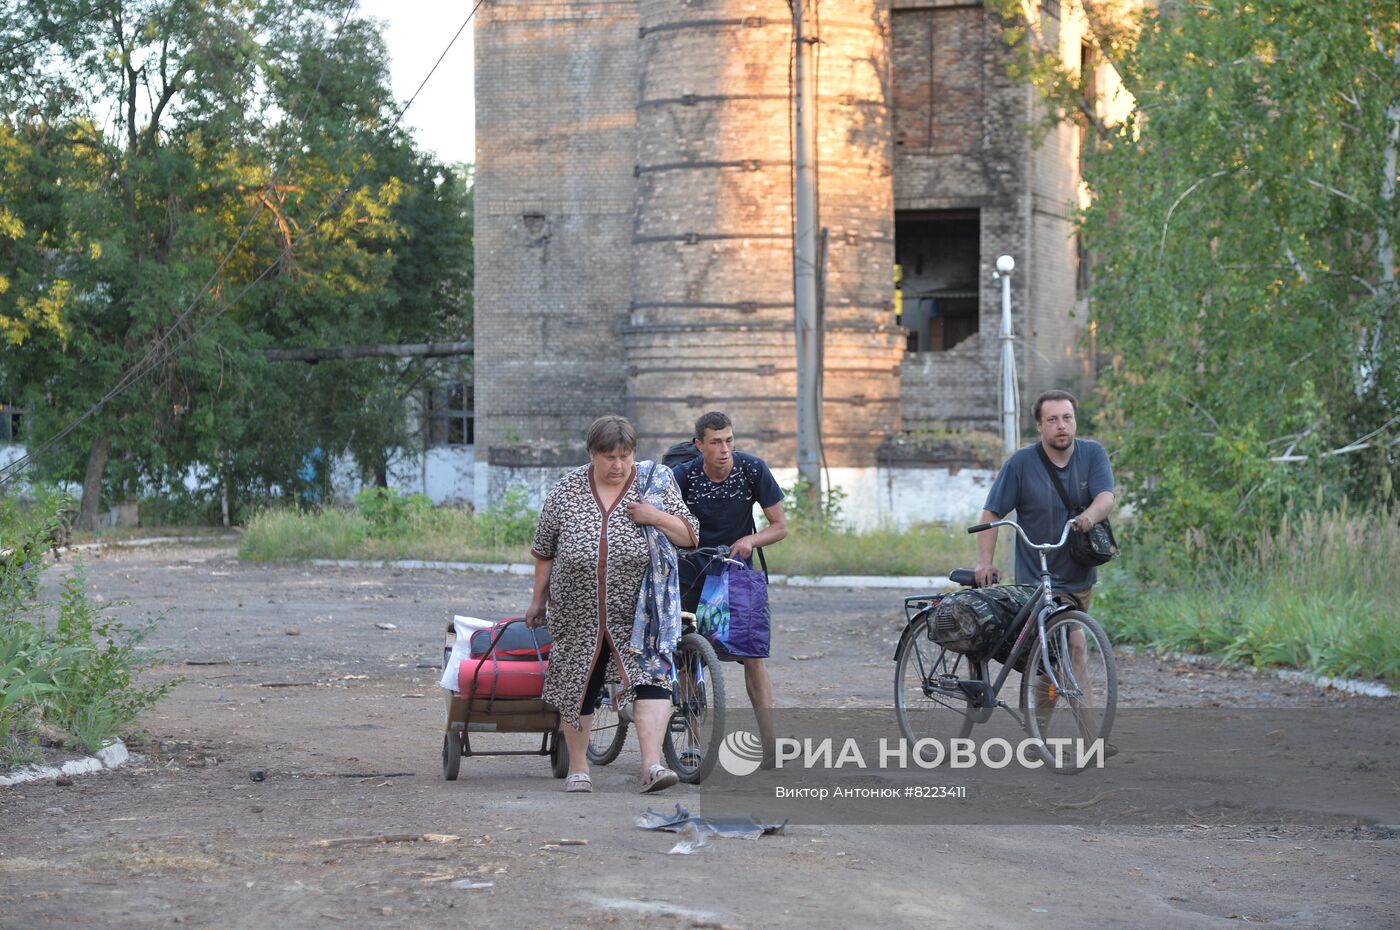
(696, 727)
(1064, 659)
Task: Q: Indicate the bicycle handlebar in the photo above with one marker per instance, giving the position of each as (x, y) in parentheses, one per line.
(982, 527)
(719, 552)
(712, 552)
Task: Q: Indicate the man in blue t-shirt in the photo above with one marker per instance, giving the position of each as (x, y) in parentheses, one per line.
(1023, 485)
(720, 486)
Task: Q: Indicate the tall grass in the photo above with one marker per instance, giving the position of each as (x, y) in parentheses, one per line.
(437, 534)
(925, 549)
(1321, 592)
(503, 534)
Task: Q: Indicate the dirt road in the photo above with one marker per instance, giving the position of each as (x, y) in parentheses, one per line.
(345, 720)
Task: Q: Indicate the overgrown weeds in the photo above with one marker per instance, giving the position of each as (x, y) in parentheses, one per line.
(66, 666)
(1322, 592)
(390, 525)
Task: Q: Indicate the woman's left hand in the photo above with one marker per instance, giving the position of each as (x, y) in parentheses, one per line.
(644, 514)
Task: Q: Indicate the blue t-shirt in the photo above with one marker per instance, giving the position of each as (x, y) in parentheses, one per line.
(724, 508)
(1024, 487)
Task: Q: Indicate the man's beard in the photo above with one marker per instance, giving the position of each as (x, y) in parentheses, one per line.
(1061, 444)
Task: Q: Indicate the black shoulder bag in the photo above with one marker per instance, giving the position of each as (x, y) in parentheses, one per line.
(1094, 547)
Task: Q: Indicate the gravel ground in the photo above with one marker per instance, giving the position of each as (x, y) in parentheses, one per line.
(286, 673)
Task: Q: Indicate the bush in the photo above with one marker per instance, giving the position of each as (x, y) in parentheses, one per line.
(78, 676)
(508, 522)
(392, 514)
(97, 660)
(806, 512)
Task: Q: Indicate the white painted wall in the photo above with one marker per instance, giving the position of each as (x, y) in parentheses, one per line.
(875, 497)
(901, 497)
(445, 474)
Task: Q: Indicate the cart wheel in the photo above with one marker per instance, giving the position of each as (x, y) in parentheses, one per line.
(451, 755)
(559, 756)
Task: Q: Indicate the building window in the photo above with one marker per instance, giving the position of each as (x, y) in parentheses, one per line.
(10, 418)
(1051, 8)
(449, 415)
(937, 252)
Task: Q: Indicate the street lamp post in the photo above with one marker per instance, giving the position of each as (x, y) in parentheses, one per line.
(1010, 390)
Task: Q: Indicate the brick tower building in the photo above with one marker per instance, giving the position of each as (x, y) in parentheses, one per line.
(634, 223)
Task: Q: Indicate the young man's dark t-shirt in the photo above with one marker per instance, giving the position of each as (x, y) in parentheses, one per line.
(724, 508)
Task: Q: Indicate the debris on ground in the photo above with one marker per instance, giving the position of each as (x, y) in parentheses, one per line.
(742, 827)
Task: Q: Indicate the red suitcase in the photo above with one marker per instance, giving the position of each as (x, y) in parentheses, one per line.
(514, 668)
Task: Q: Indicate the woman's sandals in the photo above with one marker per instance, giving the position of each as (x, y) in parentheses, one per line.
(658, 778)
(578, 782)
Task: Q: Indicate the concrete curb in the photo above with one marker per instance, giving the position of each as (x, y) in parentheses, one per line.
(913, 582)
(1349, 685)
(146, 541)
(111, 756)
(496, 568)
(1377, 689)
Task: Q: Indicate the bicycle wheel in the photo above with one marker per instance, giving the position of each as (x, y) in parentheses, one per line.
(1077, 702)
(609, 730)
(697, 723)
(924, 709)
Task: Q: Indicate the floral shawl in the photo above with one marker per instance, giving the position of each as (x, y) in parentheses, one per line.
(656, 627)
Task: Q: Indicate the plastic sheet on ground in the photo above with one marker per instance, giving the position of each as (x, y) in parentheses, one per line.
(677, 822)
(691, 839)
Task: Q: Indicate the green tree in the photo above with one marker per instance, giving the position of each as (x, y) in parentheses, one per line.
(151, 132)
(1243, 223)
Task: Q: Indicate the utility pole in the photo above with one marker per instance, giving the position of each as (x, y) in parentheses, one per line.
(804, 258)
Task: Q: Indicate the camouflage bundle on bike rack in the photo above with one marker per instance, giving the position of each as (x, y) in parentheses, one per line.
(976, 621)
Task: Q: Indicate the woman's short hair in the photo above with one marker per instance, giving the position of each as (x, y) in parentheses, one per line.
(610, 432)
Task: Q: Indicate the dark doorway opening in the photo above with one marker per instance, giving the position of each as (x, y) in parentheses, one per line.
(938, 254)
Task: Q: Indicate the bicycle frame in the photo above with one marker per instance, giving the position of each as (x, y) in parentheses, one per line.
(1044, 596)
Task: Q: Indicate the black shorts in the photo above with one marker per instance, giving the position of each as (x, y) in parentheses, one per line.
(598, 679)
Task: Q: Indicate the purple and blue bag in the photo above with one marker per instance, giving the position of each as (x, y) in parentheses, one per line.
(733, 611)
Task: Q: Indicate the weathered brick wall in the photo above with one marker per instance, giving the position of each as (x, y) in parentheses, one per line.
(634, 217)
(960, 143)
(712, 313)
(556, 111)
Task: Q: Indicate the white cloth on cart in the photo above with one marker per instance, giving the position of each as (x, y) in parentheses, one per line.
(461, 648)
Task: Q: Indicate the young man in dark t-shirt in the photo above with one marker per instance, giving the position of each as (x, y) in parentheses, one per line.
(720, 487)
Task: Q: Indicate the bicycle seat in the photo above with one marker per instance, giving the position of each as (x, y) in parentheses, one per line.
(963, 576)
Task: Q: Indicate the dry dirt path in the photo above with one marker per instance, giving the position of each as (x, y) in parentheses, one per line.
(336, 711)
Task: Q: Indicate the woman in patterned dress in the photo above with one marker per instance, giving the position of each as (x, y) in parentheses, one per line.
(591, 554)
